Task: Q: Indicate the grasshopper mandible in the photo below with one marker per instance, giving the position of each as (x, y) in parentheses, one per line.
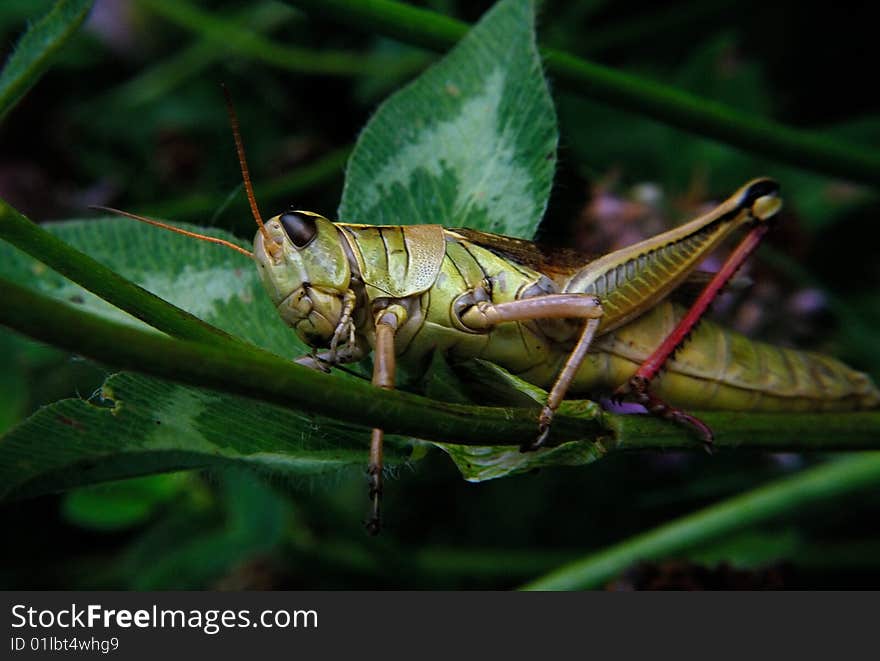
(552, 317)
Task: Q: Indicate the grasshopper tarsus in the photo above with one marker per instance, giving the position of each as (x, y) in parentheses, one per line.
(538, 443)
(313, 362)
(544, 421)
(621, 393)
(691, 422)
(374, 476)
(638, 387)
(373, 526)
(374, 523)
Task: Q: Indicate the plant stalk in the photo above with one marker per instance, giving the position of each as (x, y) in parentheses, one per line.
(809, 488)
(677, 108)
(241, 369)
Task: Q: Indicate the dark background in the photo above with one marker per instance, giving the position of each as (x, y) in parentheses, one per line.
(130, 117)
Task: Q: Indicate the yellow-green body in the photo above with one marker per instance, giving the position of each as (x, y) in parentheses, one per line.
(333, 281)
(716, 369)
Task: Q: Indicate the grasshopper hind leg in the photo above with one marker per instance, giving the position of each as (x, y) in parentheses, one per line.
(638, 386)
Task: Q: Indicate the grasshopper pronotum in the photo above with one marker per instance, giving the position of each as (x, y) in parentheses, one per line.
(551, 317)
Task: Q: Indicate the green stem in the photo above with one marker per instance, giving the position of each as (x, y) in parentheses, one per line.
(259, 47)
(234, 367)
(251, 372)
(409, 24)
(661, 102)
(810, 487)
(106, 283)
(230, 365)
(662, 20)
(774, 432)
(160, 79)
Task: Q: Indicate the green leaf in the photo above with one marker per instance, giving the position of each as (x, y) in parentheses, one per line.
(814, 488)
(143, 425)
(751, 548)
(625, 91)
(215, 284)
(240, 40)
(471, 142)
(479, 463)
(495, 384)
(13, 382)
(35, 50)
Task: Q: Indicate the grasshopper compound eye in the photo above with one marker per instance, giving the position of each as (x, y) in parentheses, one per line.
(301, 229)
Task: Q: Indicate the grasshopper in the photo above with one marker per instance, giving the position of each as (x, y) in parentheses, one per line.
(555, 319)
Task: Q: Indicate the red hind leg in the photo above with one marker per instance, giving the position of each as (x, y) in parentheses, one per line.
(638, 386)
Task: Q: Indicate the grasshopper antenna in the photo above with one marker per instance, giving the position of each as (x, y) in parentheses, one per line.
(172, 228)
(242, 161)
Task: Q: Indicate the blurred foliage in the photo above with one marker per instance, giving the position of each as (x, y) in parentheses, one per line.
(33, 53)
(130, 115)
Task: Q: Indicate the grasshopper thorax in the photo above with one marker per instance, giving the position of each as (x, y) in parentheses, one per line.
(305, 269)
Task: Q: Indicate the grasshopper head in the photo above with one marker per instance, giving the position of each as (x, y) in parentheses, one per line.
(304, 267)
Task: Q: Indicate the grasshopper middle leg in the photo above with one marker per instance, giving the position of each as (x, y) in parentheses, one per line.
(387, 323)
(485, 315)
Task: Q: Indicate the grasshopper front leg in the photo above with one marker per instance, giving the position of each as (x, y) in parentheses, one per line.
(485, 315)
(322, 361)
